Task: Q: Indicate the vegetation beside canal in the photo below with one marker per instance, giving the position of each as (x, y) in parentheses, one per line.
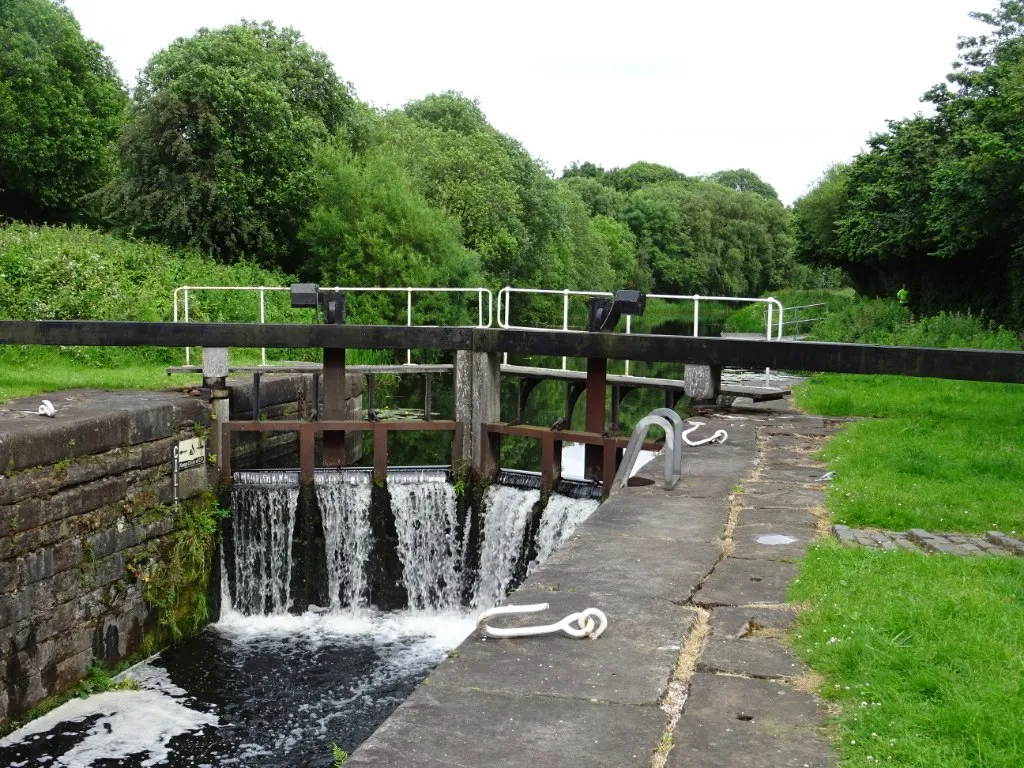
(920, 654)
(923, 655)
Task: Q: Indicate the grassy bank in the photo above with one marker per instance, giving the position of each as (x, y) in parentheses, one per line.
(922, 655)
(930, 453)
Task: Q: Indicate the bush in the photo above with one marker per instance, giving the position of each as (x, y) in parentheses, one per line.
(882, 321)
(56, 273)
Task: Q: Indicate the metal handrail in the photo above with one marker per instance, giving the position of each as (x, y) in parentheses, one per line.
(672, 442)
(184, 290)
(773, 328)
(799, 320)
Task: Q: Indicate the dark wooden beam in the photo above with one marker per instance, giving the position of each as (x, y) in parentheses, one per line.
(978, 365)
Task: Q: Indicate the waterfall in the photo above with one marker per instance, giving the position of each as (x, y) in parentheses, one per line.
(423, 503)
(504, 529)
(344, 499)
(263, 519)
(561, 516)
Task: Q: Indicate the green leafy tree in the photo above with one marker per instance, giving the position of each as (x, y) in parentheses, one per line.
(936, 201)
(744, 180)
(639, 175)
(815, 216)
(61, 108)
(372, 226)
(701, 237)
(217, 154)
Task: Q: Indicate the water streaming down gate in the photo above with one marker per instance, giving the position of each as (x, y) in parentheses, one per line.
(561, 517)
(263, 507)
(344, 499)
(429, 544)
(504, 534)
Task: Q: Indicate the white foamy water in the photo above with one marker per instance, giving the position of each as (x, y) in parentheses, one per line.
(126, 723)
(344, 499)
(263, 520)
(425, 518)
(504, 529)
(267, 655)
(561, 516)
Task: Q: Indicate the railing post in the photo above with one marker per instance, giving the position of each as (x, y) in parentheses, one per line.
(335, 398)
(188, 350)
(480, 307)
(628, 331)
(408, 321)
(508, 300)
(696, 314)
(263, 320)
(565, 321)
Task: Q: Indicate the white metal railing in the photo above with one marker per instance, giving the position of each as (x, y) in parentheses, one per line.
(774, 308)
(484, 318)
(797, 320)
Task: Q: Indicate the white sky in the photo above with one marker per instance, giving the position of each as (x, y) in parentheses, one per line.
(783, 87)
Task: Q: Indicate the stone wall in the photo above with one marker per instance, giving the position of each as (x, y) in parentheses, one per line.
(87, 493)
(79, 495)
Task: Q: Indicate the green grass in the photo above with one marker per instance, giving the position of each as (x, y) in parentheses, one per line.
(935, 454)
(49, 369)
(25, 371)
(924, 655)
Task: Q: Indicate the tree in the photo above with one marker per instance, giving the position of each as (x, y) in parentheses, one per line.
(937, 202)
(372, 226)
(641, 174)
(701, 237)
(744, 180)
(61, 108)
(217, 154)
(816, 216)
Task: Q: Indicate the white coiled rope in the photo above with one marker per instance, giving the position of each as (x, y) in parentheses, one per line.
(720, 435)
(584, 621)
(47, 409)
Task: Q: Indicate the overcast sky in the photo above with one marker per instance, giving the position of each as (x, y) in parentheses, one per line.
(783, 87)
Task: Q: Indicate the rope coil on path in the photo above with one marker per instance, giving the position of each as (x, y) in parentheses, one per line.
(720, 435)
(586, 626)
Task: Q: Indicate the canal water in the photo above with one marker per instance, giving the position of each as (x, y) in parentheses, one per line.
(266, 686)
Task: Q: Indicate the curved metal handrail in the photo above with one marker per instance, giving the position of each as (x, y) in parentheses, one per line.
(636, 442)
(677, 433)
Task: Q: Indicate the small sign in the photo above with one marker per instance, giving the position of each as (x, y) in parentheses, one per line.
(190, 453)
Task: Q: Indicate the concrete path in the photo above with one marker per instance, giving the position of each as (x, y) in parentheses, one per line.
(690, 671)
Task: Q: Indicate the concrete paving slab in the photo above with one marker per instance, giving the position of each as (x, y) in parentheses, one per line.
(472, 729)
(734, 722)
(595, 562)
(774, 495)
(752, 656)
(781, 518)
(733, 621)
(794, 473)
(786, 543)
(741, 582)
(658, 517)
(630, 663)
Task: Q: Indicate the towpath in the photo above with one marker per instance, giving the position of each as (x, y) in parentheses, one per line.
(691, 670)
